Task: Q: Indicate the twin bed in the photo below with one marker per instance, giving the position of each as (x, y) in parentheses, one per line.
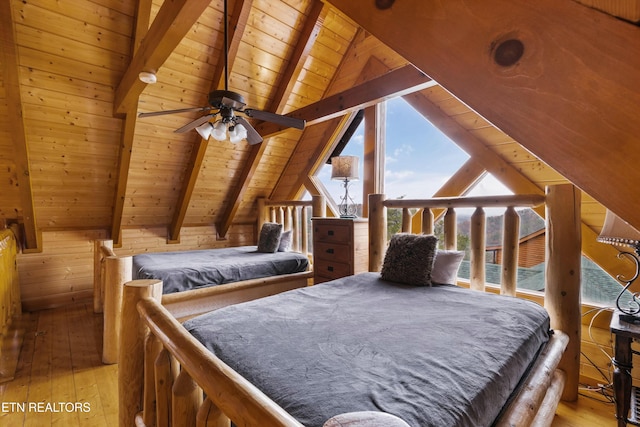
(360, 346)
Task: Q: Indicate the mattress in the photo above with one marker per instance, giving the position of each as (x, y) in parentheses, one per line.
(433, 356)
(184, 270)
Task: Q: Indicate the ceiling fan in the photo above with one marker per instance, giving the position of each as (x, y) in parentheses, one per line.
(223, 109)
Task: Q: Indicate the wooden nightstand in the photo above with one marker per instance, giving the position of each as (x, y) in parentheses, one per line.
(340, 247)
(625, 333)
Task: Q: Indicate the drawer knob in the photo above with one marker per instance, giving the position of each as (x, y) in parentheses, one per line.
(329, 251)
(330, 268)
(330, 232)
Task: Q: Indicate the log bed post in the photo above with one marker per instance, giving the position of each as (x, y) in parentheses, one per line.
(99, 246)
(118, 272)
(131, 352)
(562, 290)
(377, 231)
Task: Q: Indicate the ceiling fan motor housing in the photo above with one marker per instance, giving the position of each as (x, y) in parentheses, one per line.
(226, 98)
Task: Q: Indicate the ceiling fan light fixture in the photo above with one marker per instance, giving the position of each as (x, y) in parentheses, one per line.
(147, 77)
(219, 131)
(205, 130)
(237, 133)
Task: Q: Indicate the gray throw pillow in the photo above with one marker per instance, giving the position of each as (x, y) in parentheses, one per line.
(285, 241)
(409, 259)
(269, 237)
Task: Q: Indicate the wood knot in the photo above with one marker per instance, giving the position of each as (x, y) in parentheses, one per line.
(508, 52)
(384, 4)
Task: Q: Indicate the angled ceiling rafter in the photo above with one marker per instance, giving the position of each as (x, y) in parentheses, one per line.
(143, 15)
(10, 75)
(401, 81)
(237, 24)
(308, 35)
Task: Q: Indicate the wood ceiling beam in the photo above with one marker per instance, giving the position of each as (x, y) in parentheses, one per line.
(173, 21)
(143, 15)
(308, 35)
(572, 92)
(11, 80)
(237, 24)
(398, 82)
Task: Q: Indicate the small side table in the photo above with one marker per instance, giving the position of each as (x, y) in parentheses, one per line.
(624, 334)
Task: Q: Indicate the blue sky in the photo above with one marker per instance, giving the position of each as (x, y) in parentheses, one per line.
(419, 158)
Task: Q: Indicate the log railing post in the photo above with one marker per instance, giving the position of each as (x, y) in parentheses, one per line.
(131, 349)
(377, 231)
(295, 233)
(427, 221)
(563, 266)
(118, 273)
(187, 398)
(166, 371)
(304, 230)
(477, 275)
(262, 214)
(209, 415)
(510, 252)
(406, 220)
(450, 230)
(152, 347)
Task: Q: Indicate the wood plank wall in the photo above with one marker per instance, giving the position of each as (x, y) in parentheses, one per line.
(63, 272)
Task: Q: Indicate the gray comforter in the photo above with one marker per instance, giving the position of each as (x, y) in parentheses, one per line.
(434, 356)
(180, 271)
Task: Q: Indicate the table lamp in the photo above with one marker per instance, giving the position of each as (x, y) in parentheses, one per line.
(345, 168)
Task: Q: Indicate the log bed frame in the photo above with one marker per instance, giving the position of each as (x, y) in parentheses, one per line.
(164, 372)
(111, 272)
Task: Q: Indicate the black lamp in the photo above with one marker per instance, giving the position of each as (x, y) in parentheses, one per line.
(617, 231)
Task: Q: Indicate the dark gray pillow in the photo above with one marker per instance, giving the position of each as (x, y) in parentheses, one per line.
(409, 259)
(269, 237)
(285, 241)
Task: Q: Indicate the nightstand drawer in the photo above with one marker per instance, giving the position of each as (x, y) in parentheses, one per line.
(325, 232)
(332, 251)
(331, 269)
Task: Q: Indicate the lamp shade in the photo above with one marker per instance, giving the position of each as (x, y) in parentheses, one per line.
(344, 167)
(617, 231)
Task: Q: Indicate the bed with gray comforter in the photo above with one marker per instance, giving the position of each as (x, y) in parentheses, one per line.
(185, 270)
(433, 356)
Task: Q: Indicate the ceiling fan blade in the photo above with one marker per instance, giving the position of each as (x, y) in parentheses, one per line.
(181, 110)
(194, 124)
(253, 137)
(291, 122)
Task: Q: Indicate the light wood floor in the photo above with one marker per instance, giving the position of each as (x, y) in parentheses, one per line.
(60, 365)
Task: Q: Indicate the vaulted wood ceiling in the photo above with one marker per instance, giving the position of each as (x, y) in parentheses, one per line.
(74, 155)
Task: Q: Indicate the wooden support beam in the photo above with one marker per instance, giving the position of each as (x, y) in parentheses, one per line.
(143, 15)
(395, 83)
(563, 98)
(171, 24)
(15, 119)
(283, 90)
(375, 119)
(562, 287)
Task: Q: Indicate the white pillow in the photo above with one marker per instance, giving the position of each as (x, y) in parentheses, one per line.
(445, 267)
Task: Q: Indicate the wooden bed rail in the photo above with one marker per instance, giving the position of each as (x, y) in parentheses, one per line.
(563, 252)
(293, 215)
(429, 209)
(147, 374)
